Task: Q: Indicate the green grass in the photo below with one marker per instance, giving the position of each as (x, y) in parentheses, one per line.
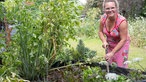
(95, 44)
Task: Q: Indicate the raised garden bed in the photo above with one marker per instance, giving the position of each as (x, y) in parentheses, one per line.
(58, 69)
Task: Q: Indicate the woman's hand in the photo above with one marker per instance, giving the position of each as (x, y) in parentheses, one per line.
(104, 45)
(109, 55)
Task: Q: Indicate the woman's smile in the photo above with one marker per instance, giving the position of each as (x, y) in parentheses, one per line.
(110, 9)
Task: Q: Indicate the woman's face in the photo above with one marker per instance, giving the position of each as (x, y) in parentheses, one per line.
(110, 9)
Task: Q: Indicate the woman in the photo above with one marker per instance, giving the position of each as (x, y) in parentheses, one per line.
(115, 28)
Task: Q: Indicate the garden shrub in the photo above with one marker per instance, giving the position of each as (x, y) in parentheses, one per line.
(138, 31)
(143, 13)
(89, 24)
(43, 29)
(80, 53)
(84, 52)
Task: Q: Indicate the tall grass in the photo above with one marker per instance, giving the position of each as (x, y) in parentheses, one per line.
(137, 30)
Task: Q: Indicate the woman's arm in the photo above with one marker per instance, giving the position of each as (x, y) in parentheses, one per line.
(101, 35)
(123, 29)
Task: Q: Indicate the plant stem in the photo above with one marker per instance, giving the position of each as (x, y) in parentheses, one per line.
(66, 66)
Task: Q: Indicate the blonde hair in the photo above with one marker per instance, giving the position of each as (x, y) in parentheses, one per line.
(115, 1)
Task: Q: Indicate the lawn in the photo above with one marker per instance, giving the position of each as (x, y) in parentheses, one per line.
(134, 52)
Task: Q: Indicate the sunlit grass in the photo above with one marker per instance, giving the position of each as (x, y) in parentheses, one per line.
(95, 44)
(137, 53)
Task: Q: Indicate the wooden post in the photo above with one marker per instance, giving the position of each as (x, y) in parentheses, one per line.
(8, 32)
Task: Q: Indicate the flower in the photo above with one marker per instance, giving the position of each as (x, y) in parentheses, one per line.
(98, 76)
(13, 74)
(111, 76)
(88, 59)
(137, 59)
(127, 62)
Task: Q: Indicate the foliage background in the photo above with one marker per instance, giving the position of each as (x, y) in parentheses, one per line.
(44, 28)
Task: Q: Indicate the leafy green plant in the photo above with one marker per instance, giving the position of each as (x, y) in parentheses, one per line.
(13, 78)
(43, 29)
(89, 25)
(84, 52)
(93, 74)
(2, 11)
(137, 31)
(73, 74)
(68, 55)
(143, 13)
(81, 53)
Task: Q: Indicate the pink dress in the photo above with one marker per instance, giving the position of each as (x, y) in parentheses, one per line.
(113, 37)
